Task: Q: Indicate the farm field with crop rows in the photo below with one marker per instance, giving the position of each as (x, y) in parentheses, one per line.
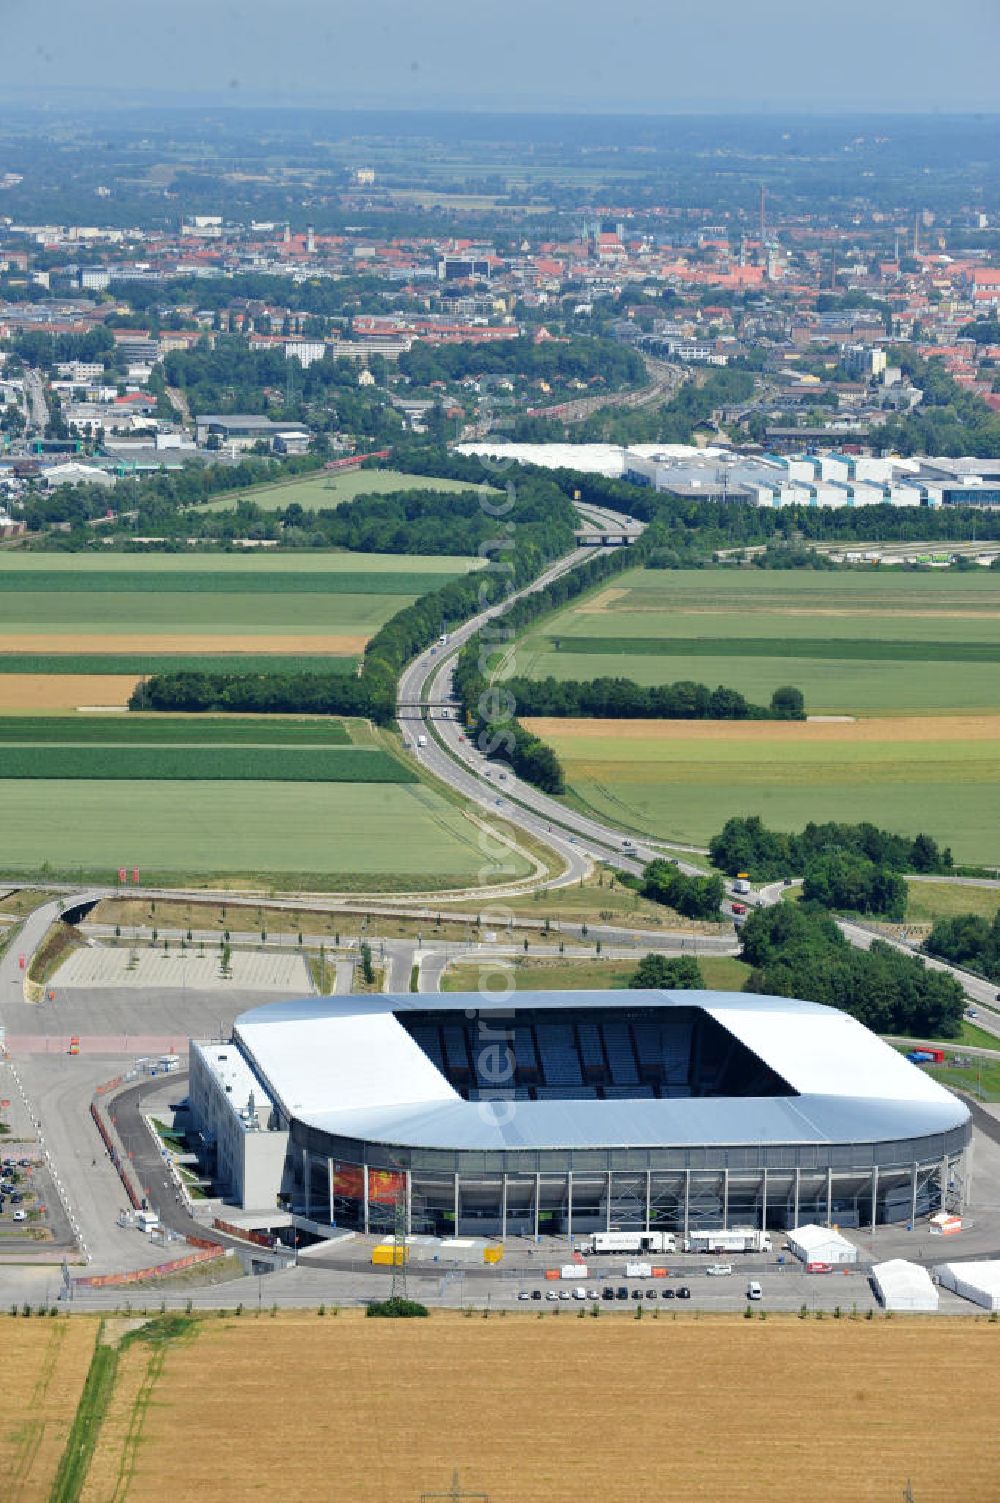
(122, 616)
(854, 643)
(387, 1408)
(682, 779)
(306, 836)
(910, 661)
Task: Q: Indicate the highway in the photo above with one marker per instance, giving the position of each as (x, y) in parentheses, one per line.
(38, 408)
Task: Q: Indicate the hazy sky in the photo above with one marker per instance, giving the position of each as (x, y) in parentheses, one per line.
(656, 55)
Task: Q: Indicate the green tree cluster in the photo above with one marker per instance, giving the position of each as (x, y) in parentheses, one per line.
(797, 953)
(745, 844)
(844, 879)
(694, 897)
(679, 973)
(968, 940)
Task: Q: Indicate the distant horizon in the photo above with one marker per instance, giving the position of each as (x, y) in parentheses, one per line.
(37, 101)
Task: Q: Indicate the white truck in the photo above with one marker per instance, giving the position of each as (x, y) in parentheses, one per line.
(742, 883)
(421, 740)
(632, 1242)
(638, 1270)
(743, 1239)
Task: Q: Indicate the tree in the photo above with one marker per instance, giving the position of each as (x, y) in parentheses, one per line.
(367, 968)
(660, 972)
(788, 703)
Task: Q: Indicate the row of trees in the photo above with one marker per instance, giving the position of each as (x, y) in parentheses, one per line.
(623, 699)
(968, 940)
(745, 844)
(798, 953)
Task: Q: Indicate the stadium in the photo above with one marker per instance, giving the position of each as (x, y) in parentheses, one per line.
(573, 1112)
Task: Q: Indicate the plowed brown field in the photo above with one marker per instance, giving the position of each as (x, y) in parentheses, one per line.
(563, 1410)
(28, 692)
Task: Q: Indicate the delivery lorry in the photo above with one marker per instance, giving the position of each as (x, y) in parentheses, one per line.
(632, 1242)
(736, 1239)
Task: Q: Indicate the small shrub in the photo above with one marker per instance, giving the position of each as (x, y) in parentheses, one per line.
(321, 1310)
(869, 1315)
(397, 1309)
(748, 1313)
(803, 1312)
(837, 1312)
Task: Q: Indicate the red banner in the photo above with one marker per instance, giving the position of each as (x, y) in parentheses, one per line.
(348, 1180)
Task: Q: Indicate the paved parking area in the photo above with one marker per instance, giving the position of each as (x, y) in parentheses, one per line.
(256, 970)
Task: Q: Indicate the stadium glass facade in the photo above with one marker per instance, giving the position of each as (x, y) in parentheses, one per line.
(551, 1192)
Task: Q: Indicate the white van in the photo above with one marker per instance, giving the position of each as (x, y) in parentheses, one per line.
(754, 1291)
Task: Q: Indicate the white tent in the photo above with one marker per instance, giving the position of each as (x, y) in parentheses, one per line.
(821, 1244)
(904, 1286)
(979, 1282)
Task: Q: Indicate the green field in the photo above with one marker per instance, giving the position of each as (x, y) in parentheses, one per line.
(278, 764)
(927, 901)
(41, 664)
(315, 492)
(172, 730)
(566, 973)
(307, 836)
(682, 781)
(855, 643)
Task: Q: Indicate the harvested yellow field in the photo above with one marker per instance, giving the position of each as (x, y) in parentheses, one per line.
(156, 643)
(25, 692)
(45, 1363)
(911, 729)
(561, 1409)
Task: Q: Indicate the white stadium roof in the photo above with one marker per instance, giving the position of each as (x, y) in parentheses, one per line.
(348, 1067)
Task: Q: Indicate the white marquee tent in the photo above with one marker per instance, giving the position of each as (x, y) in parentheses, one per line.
(821, 1244)
(979, 1282)
(904, 1286)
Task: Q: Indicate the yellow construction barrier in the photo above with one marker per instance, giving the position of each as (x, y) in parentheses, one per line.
(492, 1254)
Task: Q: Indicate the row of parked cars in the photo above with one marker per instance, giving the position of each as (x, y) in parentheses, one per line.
(608, 1293)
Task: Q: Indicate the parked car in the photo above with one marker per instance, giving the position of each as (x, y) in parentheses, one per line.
(650, 1293)
(20, 1215)
(565, 1294)
(592, 1294)
(536, 1294)
(579, 1292)
(637, 1294)
(524, 1294)
(607, 1292)
(684, 1292)
(622, 1292)
(666, 1294)
(552, 1294)
(754, 1291)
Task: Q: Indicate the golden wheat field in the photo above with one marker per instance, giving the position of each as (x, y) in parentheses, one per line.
(563, 1409)
(44, 1366)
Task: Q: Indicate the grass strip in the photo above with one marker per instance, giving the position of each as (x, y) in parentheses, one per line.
(96, 581)
(98, 1387)
(291, 764)
(168, 730)
(830, 648)
(171, 662)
